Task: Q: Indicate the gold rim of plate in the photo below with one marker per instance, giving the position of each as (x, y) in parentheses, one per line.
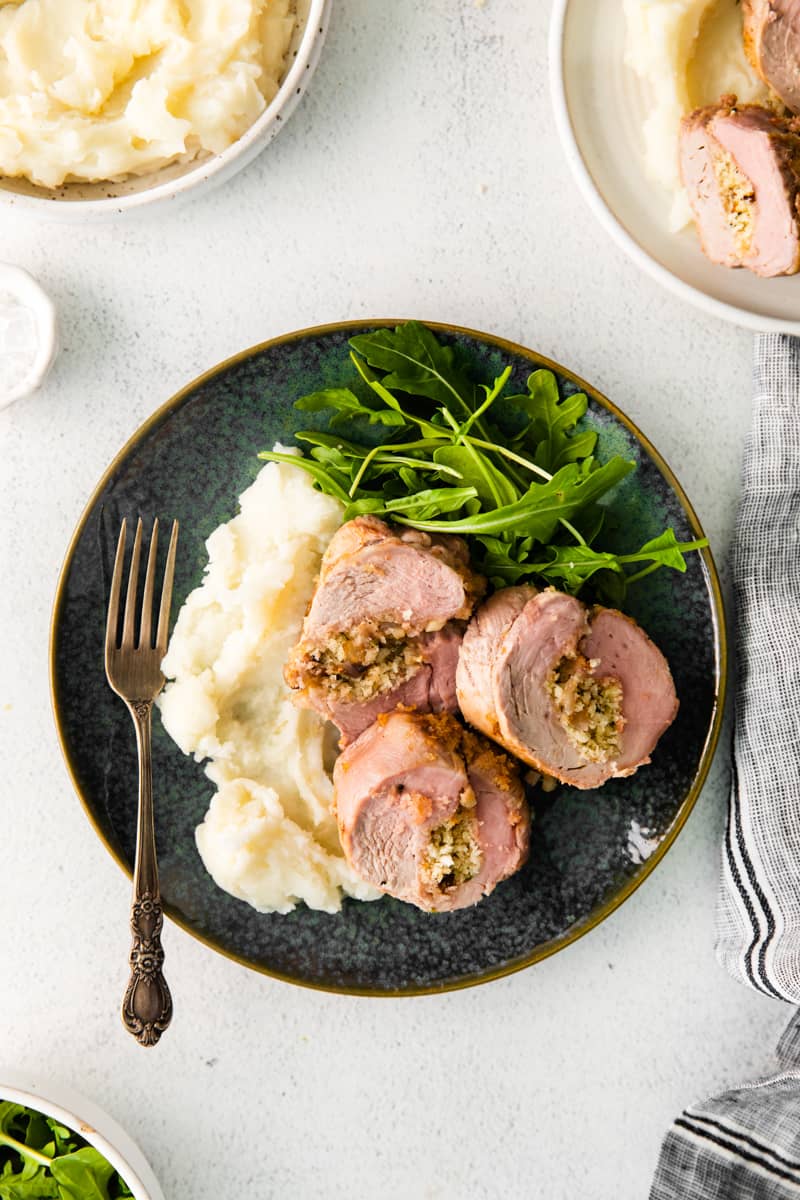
(546, 949)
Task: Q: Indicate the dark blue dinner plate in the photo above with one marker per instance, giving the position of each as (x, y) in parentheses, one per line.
(590, 850)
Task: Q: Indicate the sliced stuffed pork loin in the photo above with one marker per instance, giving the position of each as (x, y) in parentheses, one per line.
(384, 626)
(741, 170)
(581, 694)
(430, 812)
(772, 42)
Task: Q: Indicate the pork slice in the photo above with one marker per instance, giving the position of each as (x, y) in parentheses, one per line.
(392, 786)
(622, 649)
(548, 630)
(741, 169)
(766, 151)
(772, 43)
(431, 689)
(503, 818)
(411, 580)
(511, 647)
(485, 632)
(409, 783)
(350, 539)
(442, 650)
(581, 696)
(715, 231)
(369, 641)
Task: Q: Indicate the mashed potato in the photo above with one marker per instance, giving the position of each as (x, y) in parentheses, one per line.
(687, 53)
(98, 89)
(269, 837)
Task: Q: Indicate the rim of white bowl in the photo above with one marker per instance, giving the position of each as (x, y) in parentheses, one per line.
(31, 293)
(84, 1128)
(207, 169)
(591, 194)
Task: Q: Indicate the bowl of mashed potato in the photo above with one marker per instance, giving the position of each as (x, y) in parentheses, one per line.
(112, 105)
(623, 73)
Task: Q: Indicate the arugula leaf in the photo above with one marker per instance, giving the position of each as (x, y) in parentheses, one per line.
(515, 473)
(428, 503)
(10, 1113)
(500, 562)
(589, 522)
(410, 478)
(82, 1175)
(552, 418)
(36, 1187)
(325, 479)
(346, 405)
(334, 460)
(41, 1159)
(419, 365)
(48, 1135)
(332, 441)
(490, 484)
(411, 509)
(538, 512)
(572, 566)
(663, 550)
(365, 506)
(372, 381)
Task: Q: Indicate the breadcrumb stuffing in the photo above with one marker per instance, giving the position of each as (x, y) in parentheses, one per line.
(453, 855)
(738, 198)
(349, 668)
(590, 708)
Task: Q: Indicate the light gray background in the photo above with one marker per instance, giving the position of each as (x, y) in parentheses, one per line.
(420, 176)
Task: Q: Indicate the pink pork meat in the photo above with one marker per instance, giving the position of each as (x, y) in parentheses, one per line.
(581, 694)
(772, 43)
(384, 626)
(741, 170)
(430, 812)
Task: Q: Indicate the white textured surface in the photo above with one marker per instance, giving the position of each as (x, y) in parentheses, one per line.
(421, 176)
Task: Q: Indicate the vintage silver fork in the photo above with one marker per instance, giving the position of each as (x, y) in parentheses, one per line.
(133, 669)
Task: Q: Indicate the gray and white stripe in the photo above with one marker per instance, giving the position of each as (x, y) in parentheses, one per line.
(758, 912)
(702, 1159)
(743, 1145)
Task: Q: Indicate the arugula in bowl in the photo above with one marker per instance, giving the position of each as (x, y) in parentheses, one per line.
(513, 473)
(40, 1159)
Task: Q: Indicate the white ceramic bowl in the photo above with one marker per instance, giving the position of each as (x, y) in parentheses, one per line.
(23, 289)
(599, 104)
(99, 201)
(100, 1130)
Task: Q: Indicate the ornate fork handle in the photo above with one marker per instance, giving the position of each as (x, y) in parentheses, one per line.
(147, 1007)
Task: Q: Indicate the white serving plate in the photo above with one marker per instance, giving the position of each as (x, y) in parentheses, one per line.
(94, 202)
(599, 104)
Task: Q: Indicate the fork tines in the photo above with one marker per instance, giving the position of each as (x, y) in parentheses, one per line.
(145, 626)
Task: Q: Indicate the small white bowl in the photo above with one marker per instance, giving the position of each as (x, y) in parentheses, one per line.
(27, 292)
(599, 104)
(106, 200)
(100, 1130)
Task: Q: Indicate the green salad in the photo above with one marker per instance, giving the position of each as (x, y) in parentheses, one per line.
(42, 1159)
(431, 447)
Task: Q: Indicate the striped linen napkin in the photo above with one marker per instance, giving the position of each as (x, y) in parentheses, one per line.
(745, 1144)
(758, 915)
